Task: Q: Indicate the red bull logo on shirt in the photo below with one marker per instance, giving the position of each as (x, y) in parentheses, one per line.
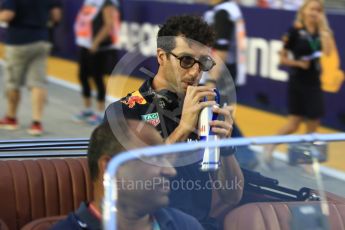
(135, 98)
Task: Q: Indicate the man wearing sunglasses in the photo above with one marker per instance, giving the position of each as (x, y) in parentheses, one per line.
(172, 102)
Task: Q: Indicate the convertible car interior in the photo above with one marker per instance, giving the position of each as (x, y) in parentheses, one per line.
(38, 189)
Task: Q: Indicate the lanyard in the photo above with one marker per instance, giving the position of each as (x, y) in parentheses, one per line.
(155, 225)
(314, 43)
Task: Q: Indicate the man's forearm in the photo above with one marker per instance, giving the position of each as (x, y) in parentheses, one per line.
(178, 135)
(231, 177)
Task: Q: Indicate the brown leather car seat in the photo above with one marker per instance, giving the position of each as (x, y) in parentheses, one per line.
(276, 216)
(43, 223)
(3, 226)
(33, 189)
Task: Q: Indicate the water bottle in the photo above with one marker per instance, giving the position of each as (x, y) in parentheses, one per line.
(210, 160)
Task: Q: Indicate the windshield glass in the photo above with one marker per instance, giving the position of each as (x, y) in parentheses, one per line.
(293, 187)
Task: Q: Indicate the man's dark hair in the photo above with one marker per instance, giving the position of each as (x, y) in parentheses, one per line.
(102, 142)
(191, 27)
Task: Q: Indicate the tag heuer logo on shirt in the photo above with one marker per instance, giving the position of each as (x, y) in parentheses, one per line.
(152, 118)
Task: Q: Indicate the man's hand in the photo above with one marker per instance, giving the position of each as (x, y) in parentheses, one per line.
(193, 105)
(223, 128)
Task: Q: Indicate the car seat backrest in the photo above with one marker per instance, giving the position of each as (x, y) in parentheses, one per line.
(33, 189)
(3, 226)
(43, 223)
(277, 216)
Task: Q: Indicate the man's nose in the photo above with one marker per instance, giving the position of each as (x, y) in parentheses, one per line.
(195, 69)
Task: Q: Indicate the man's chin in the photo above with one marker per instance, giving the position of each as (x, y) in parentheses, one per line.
(182, 90)
(164, 201)
(161, 202)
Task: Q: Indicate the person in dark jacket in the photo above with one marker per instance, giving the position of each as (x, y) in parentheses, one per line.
(142, 188)
(26, 53)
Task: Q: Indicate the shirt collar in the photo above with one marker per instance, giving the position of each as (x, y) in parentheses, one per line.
(149, 94)
(87, 218)
(164, 219)
(146, 90)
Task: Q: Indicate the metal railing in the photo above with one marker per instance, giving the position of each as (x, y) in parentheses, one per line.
(43, 148)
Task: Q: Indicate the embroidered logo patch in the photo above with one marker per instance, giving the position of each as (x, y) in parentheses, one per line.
(135, 98)
(151, 118)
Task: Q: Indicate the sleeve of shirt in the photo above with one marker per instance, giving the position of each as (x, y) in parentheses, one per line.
(119, 111)
(185, 221)
(69, 223)
(224, 29)
(289, 39)
(195, 224)
(8, 5)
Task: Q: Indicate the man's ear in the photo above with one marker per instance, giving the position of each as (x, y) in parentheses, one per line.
(102, 164)
(161, 56)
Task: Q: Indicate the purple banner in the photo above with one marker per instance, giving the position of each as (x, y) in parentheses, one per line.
(266, 85)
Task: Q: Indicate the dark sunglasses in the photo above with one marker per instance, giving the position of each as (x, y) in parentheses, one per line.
(186, 61)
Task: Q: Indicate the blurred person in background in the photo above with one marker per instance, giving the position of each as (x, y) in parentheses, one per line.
(142, 188)
(96, 31)
(26, 52)
(226, 18)
(307, 40)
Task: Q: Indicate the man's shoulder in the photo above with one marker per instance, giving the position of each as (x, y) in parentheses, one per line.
(130, 107)
(69, 223)
(177, 214)
(131, 101)
(82, 218)
(134, 99)
(181, 219)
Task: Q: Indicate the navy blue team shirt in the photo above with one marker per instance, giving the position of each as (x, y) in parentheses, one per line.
(167, 218)
(30, 21)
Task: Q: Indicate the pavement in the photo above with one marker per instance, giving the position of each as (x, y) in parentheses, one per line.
(61, 105)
